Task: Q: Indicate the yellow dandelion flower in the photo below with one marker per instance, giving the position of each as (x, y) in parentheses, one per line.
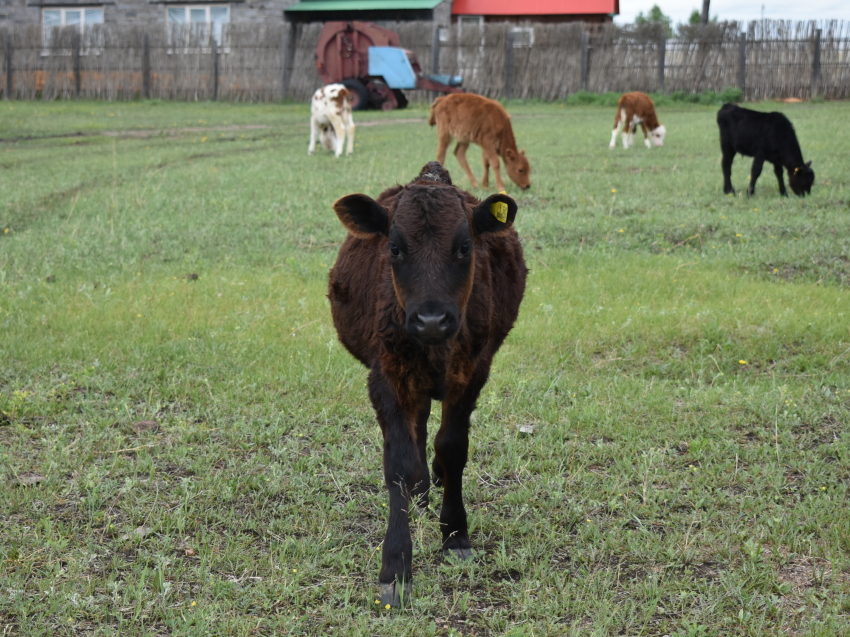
(613, 190)
(194, 603)
(738, 235)
(621, 230)
(294, 570)
(742, 362)
(387, 606)
(377, 601)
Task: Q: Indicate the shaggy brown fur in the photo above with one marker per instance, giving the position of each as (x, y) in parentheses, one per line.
(472, 119)
(424, 291)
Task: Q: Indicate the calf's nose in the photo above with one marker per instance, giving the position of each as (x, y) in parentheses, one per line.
(431, 327)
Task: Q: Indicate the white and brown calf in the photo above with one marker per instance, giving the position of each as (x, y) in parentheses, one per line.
(331, 120)
(633, 109)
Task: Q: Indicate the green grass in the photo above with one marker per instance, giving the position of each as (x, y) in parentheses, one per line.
(683, 358)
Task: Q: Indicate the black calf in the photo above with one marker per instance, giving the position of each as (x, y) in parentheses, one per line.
(764, 137)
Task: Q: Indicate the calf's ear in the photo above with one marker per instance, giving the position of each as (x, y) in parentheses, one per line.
(495, 213)
(362, 215)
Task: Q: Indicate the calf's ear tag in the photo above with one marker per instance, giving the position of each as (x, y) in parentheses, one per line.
(499, 209)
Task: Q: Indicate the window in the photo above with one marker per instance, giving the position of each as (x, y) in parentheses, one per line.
(522, 37)
(68, 17)
(201, 17)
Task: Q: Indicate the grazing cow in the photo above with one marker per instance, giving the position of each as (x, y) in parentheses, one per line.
(472, 119)
(425, 289)
(633, 109)
(764, 137)
(330, 119)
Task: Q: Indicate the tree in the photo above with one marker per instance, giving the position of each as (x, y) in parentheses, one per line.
(656, 17)
(696, 17)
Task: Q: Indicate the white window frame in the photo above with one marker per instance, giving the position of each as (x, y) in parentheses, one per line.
(523, 37)
(63, 13)
(206, 25)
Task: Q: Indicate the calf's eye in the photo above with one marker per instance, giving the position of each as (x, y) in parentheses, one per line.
(394, 251)
(464, 249)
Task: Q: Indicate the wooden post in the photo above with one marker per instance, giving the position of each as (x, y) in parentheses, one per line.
(435, 58)
(77, 43)
(146, 67)
(662, 52)
(8, 93)
(584, 59)
(509, 65)
(215, 70)
(742, 63)
(816, 63)
(290, 47)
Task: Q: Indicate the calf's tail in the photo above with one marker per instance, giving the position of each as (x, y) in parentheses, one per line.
(432, 120)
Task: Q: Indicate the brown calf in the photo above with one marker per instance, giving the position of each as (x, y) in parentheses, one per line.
(472, 119)
(633, 109)
(424, 291)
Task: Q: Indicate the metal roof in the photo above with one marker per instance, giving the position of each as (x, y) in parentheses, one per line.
(535, 7)
(363, 5)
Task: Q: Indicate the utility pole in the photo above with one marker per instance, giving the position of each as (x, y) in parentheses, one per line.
(704, 16)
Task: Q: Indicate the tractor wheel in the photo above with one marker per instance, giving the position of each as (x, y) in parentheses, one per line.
(400, 97)
(359, 95)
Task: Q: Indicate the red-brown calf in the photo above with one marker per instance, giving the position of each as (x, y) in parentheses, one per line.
(472, 119)
(424, 291)
(633, 109)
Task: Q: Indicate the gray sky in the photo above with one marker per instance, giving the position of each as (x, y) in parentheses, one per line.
(743, 10)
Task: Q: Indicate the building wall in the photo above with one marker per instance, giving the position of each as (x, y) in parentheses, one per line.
(139, 12)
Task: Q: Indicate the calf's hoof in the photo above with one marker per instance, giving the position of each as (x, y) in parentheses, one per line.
(462, 554)
(395, 594)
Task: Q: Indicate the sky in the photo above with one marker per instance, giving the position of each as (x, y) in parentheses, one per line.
(741, 10)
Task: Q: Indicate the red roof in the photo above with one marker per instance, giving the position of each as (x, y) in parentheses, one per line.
(534, 7)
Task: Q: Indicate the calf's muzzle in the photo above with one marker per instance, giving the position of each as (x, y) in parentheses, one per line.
(432, 325)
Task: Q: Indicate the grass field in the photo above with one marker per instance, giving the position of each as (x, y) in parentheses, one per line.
(186, 449)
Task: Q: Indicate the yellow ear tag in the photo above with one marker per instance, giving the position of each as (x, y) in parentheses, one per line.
(499, 210)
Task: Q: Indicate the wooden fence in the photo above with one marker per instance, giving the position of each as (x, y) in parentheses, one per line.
(260, 63)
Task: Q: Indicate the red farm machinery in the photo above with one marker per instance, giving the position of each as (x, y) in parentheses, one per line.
(370, 62)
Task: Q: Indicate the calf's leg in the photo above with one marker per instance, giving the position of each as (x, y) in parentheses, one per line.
(443, 141)
(423, 486)
(726, 166)
(777, 169)
(460, 153)
(451, 447)
(314, 134)
(491, 159)
(349, 128)
(402, 470)
(618, 126)
(755, 171)
(340, 132)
